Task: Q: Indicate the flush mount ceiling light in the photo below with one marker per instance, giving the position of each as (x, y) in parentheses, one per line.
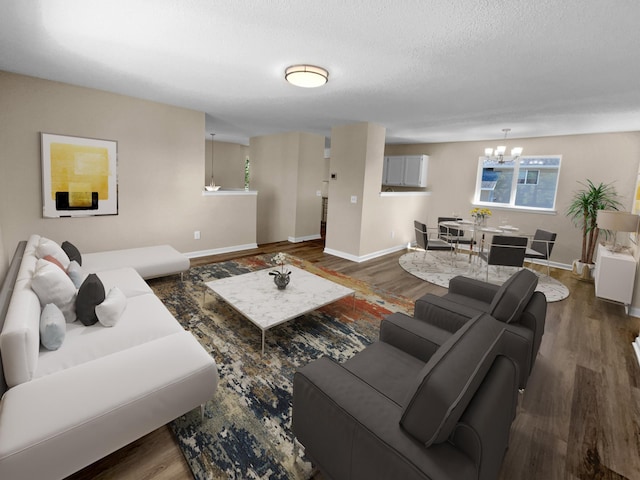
(306, 76)
(501, 149)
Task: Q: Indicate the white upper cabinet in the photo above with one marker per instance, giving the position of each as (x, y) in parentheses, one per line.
(405, 170)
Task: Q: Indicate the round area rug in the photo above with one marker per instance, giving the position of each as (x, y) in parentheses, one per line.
(440, 267)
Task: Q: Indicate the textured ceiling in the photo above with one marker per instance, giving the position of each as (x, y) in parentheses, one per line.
(427, 70)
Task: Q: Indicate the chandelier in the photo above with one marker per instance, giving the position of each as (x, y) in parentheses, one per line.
(500, 150)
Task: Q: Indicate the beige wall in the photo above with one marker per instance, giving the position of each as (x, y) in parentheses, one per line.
(286, 169)
(348, 161)
(374, 224)
(160, 170)
(601, 158)
(311, 165)
(228, 164)
(3, 259)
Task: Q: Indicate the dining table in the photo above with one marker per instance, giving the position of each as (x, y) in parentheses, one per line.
(478, 228)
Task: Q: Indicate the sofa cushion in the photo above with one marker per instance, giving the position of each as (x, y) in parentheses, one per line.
(110, 311)
(54, 260)
(511, 299)
(90, 294)
(72, 252)
(449, 380)
(76, 274)
(387, 369)
(145, 319)
(126, 279)
(46, 247)
(52, 327)
(53, 285)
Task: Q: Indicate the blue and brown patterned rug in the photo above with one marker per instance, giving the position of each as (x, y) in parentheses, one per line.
(246, 433)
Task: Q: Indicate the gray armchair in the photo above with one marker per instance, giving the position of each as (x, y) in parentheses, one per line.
(421, 403)
(516, 304)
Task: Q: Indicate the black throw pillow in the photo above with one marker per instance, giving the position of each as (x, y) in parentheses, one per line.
(90, 294)
(72, 252)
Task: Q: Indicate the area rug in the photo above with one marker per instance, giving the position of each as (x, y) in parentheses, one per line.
(246, 433)
(440, 267)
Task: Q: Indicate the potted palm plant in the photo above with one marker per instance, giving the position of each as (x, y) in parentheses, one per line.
(583, 211)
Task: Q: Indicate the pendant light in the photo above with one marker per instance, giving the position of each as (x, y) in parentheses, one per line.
(212, 187)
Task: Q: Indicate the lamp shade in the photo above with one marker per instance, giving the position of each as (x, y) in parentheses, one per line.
(617, 221)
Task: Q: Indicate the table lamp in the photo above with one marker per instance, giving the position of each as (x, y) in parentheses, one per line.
(617, 222)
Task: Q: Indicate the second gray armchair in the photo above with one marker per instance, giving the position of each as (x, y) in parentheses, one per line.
(516, 304)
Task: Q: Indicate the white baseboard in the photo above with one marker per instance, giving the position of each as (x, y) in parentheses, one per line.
(634, 312)
(636, 348)
(364, 258)
(304, 239)
(218, 251)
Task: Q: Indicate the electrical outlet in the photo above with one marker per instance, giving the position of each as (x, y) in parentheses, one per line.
(393, 234)
(196, 235)
(354, 199)
(318, 193)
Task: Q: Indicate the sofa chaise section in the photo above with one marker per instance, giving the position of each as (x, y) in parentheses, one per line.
(104, 387)
(149, 262)
(54, 425)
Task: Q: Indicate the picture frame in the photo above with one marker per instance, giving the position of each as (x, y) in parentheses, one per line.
(79, 176)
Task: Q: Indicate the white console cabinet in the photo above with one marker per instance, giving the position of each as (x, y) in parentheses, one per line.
(615, 276)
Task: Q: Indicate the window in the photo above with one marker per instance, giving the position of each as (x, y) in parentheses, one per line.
(528, 182)
(528, 177)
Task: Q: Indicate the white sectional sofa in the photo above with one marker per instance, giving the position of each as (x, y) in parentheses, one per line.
(103, 388)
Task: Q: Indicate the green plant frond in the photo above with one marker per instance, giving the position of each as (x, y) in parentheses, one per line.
(583, 212)
(586, 202)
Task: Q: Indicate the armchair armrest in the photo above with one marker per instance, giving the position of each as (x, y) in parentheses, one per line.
(470, 287)
(443, 313)
(350, 430)
(418, 339)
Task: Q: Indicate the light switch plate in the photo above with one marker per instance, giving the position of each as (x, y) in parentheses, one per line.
(354, 199)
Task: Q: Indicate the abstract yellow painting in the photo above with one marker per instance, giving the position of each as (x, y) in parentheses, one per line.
(79, 176)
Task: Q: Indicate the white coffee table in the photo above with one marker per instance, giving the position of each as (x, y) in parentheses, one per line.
(256, 296)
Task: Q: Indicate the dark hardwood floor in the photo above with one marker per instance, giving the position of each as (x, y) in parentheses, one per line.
(578, 419)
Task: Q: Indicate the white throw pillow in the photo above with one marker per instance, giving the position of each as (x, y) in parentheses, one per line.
(77, 276)
(52, 285)
(110, 311)
(53, 327)
(49, 247)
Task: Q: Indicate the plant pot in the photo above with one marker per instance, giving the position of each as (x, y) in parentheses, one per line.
(583, 271)
(281, 280)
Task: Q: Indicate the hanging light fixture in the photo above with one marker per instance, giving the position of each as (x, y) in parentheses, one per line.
(212, 187)
(500, 150)
(307, 76)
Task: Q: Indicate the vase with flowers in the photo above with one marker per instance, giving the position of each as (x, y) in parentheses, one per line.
(280, 276)
(480, 216)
